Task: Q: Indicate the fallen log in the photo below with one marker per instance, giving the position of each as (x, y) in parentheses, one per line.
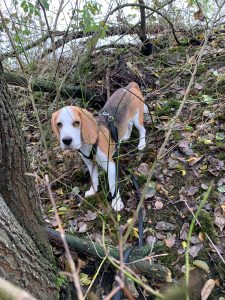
(88, 248)
(67, 90)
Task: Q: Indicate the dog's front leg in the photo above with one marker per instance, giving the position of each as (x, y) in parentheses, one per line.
(93, 170)
(117, 203)
(110, 168)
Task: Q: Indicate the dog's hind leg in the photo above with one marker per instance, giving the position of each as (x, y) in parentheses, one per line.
(138, 123)
(129, 130)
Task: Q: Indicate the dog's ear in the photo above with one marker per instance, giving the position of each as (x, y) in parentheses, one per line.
(89, 127)
(55, 129)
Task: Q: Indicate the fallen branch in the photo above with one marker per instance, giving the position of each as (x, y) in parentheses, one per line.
(92, 249)
(68, 90)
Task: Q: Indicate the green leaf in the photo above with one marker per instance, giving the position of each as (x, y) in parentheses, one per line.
(220, 136)
(221, 189)
(207, 99)
(84, 279)
(62, 209)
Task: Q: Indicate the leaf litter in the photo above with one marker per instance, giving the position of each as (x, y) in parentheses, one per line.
(194, 158)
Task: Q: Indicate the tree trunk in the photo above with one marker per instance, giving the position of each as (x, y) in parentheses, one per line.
(21, 261)
(26, 257)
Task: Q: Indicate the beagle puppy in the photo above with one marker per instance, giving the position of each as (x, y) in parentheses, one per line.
(76, 128)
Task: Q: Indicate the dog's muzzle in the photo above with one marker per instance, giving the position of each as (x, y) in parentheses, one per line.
(67, 141)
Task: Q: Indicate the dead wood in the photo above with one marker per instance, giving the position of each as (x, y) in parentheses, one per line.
(88, 248)
(67, 90)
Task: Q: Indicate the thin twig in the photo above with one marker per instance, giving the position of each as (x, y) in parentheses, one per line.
(11, 40)
(153, 10)
(205, 233)
(134, 277)
(125, 289)
(187, 262)
(168, 134)
(66, 247)
(112, 293)
(38, 120)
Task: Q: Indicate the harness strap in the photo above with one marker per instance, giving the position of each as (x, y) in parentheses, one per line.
(92, 153)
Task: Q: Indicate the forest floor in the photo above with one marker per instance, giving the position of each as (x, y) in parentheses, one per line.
(194, 158)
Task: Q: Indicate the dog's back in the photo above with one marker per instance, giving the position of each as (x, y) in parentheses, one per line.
(123, 105)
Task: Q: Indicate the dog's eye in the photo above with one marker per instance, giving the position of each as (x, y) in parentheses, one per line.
(76, 123)
(59, 125)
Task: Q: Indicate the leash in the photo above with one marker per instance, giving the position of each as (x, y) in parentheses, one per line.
(127, 252)
(114, 134)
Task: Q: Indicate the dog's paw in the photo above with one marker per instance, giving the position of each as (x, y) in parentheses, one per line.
(141, 146)
(90, 192)
(117, 204)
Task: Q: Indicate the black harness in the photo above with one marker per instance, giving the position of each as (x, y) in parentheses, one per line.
(92, 153)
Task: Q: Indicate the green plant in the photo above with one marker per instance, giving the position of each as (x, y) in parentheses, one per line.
(61, 280)
(191, 229)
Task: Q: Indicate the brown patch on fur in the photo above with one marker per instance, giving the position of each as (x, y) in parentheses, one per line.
(89, 127)
(105, 143)
(54, 125)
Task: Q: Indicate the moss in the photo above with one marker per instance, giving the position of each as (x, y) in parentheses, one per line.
(201, 148)
(142, 180)
(171, 257)
(61, 280)
(202, 69)
(177, 136)
(169, 107)
(97, 200)
(207, 225)
(221, 155)
(220, 145)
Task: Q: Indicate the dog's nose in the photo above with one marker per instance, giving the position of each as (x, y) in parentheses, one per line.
(67, 141)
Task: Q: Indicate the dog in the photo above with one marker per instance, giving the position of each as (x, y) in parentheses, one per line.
(77, 128)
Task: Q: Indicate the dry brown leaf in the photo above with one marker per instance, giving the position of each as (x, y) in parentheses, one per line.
(170, 241)
(207, 289)
(82, 227)
(223, 207)
(194, 250)
(158, 204)
(194, 160)
(220, 222)
(184, 231)
(143, 169)
(199, 15)
(198, 86)
(90, 216)
(165, 226)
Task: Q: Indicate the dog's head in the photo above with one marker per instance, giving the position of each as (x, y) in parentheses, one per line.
(73, 126)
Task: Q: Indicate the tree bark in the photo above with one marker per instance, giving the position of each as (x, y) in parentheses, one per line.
(21, 261)
(25, 253)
